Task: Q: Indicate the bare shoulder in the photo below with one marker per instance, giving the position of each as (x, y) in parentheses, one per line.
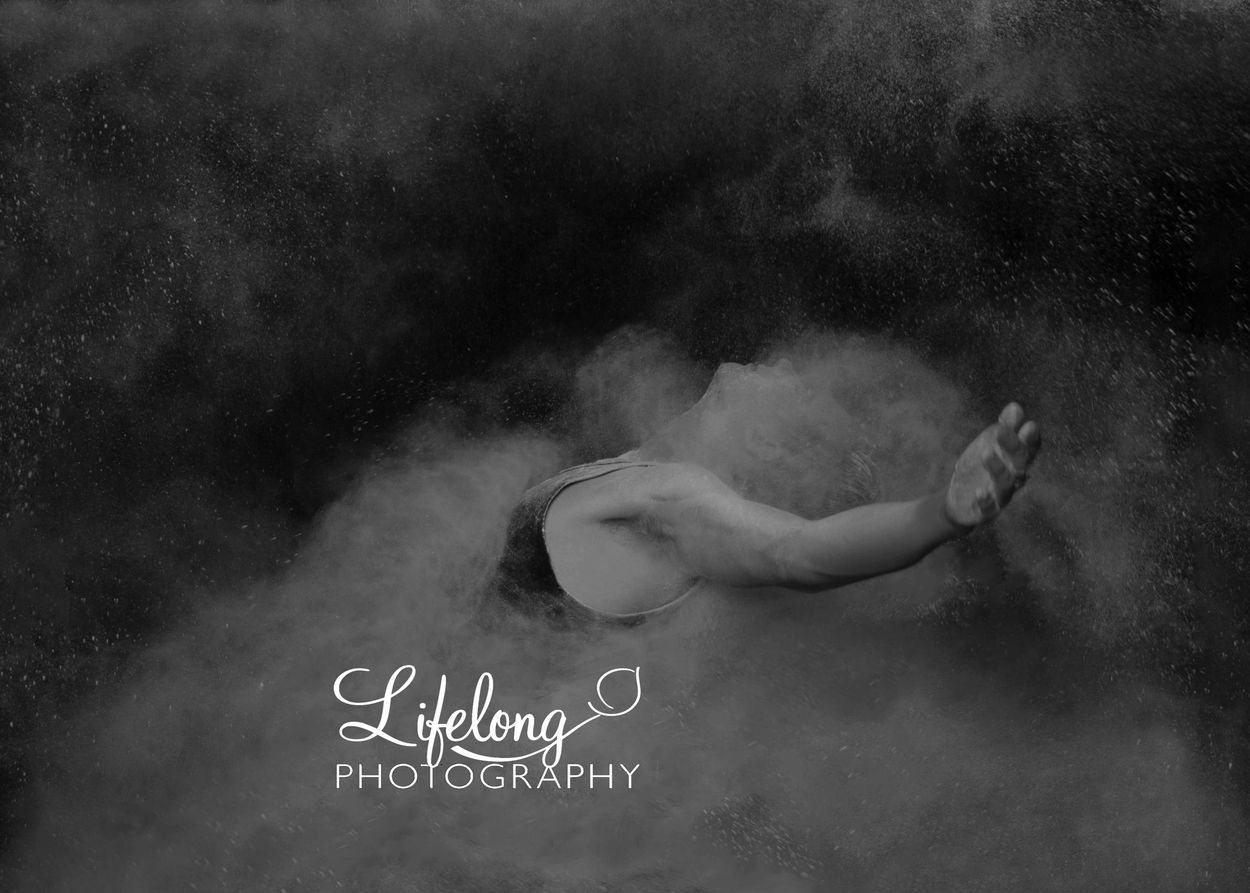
(632, 493)
(668, 481)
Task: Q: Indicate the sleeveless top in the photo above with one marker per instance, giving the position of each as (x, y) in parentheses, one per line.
(526, 578)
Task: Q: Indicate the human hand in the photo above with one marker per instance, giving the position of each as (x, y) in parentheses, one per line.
(992, 468)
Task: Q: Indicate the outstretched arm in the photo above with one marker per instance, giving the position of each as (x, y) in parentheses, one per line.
(722, 537)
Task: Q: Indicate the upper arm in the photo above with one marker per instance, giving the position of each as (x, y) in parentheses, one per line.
(647, 493)
(714, 532)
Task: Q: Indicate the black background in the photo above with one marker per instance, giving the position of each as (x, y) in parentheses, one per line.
(241, 245)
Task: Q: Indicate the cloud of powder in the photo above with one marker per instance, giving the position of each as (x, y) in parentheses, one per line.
(785, 741)
(240, 239)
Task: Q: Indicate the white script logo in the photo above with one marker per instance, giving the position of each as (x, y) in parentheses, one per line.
(461, 725)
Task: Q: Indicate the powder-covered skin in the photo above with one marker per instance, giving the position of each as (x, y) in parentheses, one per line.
(298, 298)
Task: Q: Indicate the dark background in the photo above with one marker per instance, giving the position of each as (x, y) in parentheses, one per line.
(241, 245)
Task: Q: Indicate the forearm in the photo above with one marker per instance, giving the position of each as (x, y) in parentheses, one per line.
(863, 542)
(716, 534)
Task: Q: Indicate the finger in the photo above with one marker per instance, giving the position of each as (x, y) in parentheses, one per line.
(1006, 438)
(999, 468)
(1011, 416)
(1002, 472)
(1031, 437)
(1012, 450)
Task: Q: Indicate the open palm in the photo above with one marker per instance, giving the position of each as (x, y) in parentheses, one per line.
(993, 467)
